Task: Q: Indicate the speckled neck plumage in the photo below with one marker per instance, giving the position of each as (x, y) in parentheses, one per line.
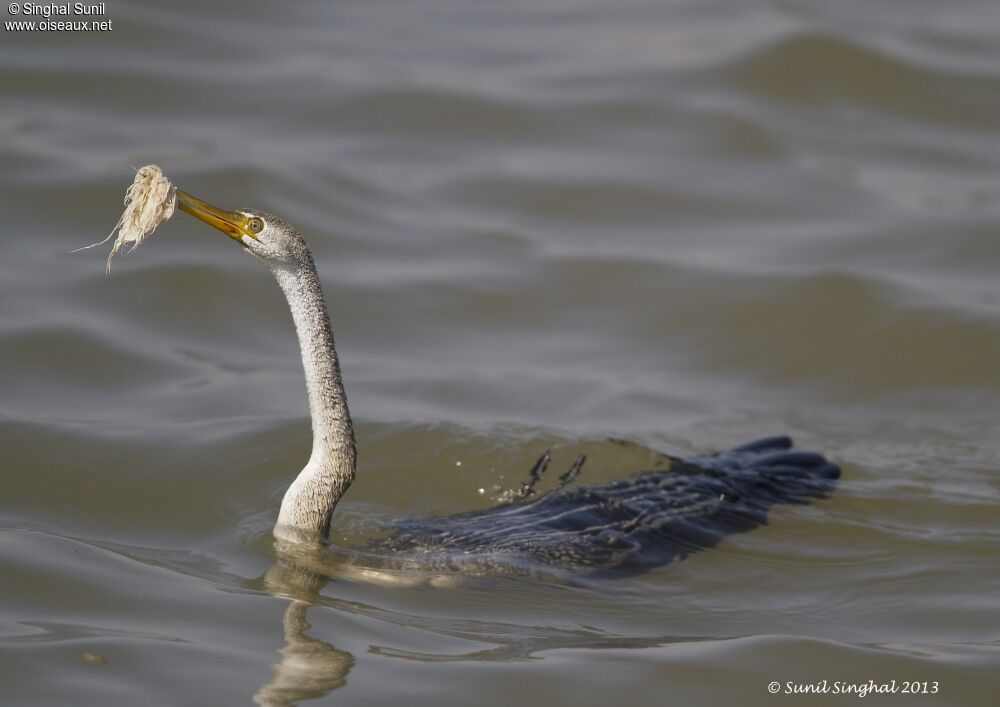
(309, 502)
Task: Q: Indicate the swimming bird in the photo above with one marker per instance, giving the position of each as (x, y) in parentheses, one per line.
(623, 526)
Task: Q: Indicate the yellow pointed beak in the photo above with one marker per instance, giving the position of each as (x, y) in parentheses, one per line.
(232, 223)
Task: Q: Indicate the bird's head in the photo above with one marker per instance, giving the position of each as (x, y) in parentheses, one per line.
(266, 237)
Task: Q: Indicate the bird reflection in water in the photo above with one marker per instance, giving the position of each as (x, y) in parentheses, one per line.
(309, 668)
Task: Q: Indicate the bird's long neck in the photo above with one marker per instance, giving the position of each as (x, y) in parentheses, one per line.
(309, 502)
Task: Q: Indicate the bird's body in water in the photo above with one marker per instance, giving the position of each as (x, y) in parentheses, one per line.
(624, 526)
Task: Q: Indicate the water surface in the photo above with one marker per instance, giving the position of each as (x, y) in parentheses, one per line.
(679, 224)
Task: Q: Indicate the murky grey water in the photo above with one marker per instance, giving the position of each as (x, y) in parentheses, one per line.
(684, 224)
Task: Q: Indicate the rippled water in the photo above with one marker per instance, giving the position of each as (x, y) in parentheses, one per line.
(682, 224)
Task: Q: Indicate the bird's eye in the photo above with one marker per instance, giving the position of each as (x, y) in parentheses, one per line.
(255, 225)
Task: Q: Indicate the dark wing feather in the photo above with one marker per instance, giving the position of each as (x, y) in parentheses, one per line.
(625, 526)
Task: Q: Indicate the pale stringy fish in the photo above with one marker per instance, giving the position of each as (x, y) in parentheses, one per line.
(149, 201)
